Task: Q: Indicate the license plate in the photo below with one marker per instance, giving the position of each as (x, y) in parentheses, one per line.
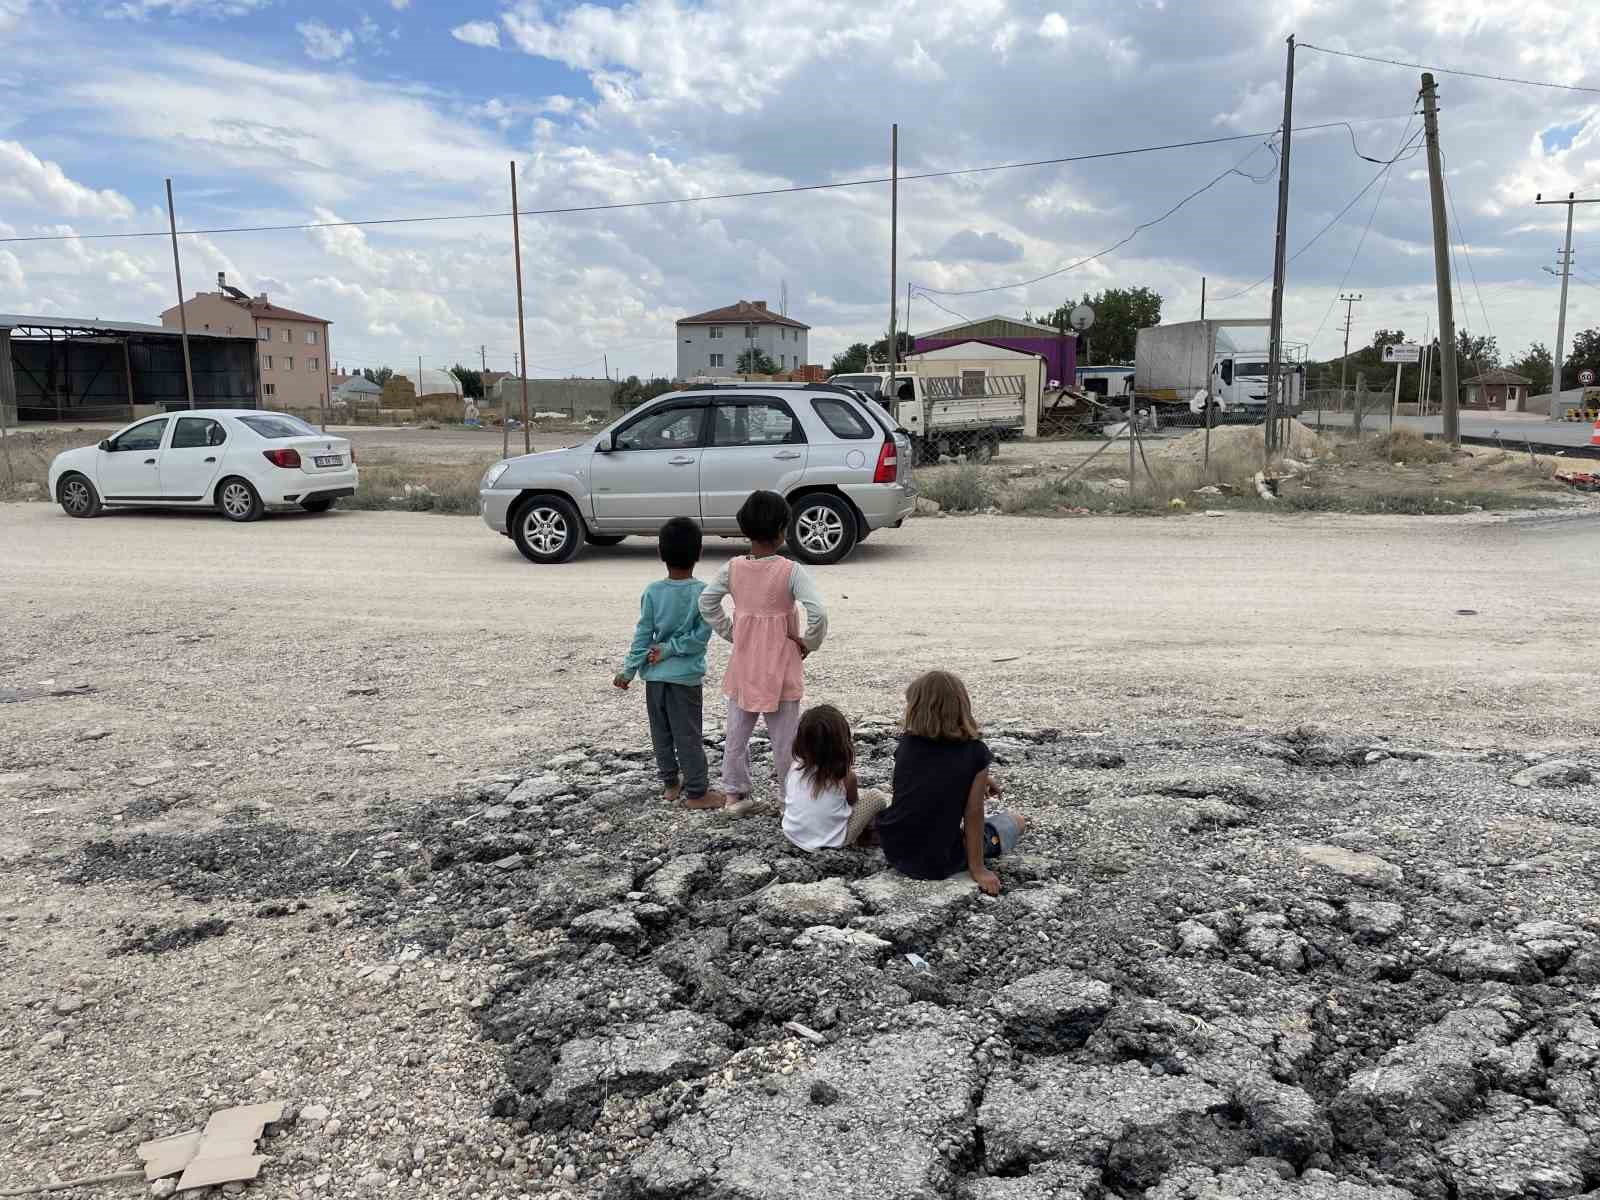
(329, 460)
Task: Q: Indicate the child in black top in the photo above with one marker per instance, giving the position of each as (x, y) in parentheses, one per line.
(936, 824)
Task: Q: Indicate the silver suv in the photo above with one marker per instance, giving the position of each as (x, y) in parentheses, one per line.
(837, 457)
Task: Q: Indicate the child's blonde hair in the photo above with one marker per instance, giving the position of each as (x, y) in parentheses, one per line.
(938, 707)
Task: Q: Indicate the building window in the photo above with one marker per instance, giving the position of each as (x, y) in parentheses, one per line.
(266, 362)
(265, 333)
(716, 360)
(311, 364)
(288, 362)
(749, 333)
(269, 389)
(311, 337)
(288, 335)
(716, 331)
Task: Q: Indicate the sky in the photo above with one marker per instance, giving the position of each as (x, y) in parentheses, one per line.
(278, 112)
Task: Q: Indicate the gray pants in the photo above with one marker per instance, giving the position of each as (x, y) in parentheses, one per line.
(675, 732)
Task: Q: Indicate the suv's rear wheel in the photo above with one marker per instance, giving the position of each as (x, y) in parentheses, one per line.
(547, 530)
(822, 528)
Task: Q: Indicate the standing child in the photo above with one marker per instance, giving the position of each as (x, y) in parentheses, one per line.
(764, 678)
(936, 824)
(823, 806)
(669, 650)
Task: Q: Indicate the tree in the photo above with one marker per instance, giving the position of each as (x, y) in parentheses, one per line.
(756, 361)
(1585, 355)
(632, 391)
(902, 340)
(471, 381)
(1535, 364)
(1119, 314)
(852, 361)
(380, 377)
(1475, 355)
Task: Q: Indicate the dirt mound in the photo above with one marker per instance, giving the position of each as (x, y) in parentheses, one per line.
(1235, 440)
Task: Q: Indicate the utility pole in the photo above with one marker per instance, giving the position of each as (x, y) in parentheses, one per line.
(894, 244)
(1349, 303)
(1280, 261)
(1450, 395)
(183, 314)
(522, 337)
(1561, 319)
(1202, 297)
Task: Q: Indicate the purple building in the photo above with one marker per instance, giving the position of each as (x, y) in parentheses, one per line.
(1059, 350)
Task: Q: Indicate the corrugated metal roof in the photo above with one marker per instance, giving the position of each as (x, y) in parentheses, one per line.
(96, 325)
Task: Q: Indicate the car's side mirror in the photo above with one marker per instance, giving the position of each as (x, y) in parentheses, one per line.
(106, 444)
(604, 446)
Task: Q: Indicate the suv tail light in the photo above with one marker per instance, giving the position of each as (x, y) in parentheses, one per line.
(282, 458)
(888, 463)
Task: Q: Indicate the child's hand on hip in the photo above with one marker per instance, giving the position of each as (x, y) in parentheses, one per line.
(805, 650)
(620, 681)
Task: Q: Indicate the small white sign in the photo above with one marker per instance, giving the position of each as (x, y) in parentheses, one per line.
(1402, 352)
(1586, 377)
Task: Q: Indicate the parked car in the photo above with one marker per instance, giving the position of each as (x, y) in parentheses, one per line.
(843, 466)
(241, 462)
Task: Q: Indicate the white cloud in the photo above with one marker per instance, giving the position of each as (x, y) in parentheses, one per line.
(10, 271)
(27, 179)
(324, 43)
(11, 13)
(478, 33)
(399, 5)
(140, 9)
(1054, 26)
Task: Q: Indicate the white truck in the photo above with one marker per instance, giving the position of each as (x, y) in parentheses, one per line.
(1175, 367)
(955, 406)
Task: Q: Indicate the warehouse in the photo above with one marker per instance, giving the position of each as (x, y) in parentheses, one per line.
(55, 368)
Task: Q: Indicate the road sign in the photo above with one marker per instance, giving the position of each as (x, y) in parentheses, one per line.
(1586, 377)
(1081, 317)
(1402, 352)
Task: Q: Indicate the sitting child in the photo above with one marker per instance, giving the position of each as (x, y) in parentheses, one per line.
(823, 807)
(937, 825)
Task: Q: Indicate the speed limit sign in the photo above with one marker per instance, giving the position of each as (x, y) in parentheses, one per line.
(1586, 377)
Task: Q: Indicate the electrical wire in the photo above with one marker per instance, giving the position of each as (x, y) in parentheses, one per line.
(1393, 62)
(1466, 250)
(634, 204)
(917, 291)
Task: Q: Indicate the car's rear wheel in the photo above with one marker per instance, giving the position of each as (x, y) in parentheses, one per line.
(822, 528)
(77, 496)
(238, 500)
(320, 505)
(605, 539)
(547, 530)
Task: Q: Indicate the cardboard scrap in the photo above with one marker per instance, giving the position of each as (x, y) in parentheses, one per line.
(222, 1152)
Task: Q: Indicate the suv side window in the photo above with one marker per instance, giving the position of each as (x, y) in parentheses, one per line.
(144, 436)
(755, 423)
(195, 432)
(673, 427)
(842, 420)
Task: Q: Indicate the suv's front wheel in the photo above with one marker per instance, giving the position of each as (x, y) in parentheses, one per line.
(822, 529)
(547, 530)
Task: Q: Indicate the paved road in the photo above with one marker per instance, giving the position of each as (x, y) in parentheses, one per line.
(1513, 427)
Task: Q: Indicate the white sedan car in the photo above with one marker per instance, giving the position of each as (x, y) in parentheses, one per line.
(241, 461)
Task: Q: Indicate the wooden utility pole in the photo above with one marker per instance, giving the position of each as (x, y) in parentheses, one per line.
(1450, 395)
(522, 337)
(1280, 260)
(1561, 318)
(894, 244)
(1349, 303)
(183, 315)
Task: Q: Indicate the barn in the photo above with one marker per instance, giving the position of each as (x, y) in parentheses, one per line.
(1059, 350)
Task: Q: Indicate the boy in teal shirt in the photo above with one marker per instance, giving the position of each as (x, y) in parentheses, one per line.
(669, 651)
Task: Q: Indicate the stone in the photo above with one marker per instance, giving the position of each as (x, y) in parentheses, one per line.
(616, 924)
(67, 1004)
(829, 902)
(1275, 947)
(1288, 1123)
(1373, 920)
(1095, 760)
(535, 789)
(313, 1116)
(1196, 939)
(1047, 1181)
(164, 1187)
(744, 874)
(1553, 773)
(831, 940)
(1473, 959)
(911, 911)
(1052, 1010)
(1135, 1126)
(53, 1040)
(902, 1117)
(631, 1060)
(1262, 1179)
(676, 881)
(1354, 865)
(1515, 1148)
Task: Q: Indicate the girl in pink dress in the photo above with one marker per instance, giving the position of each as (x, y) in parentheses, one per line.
(764, 679)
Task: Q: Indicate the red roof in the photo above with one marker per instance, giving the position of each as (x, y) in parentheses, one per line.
(266, 311)
(746, 312)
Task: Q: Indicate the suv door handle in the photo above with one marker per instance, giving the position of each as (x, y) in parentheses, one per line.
(787, 454)
(681, 462)
(149, 462)
(213, 458)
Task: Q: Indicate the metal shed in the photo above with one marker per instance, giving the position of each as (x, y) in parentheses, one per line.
(55, 368)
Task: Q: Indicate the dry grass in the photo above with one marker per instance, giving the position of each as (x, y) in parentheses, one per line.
(30, 455)
(965, 488)
(391, 483)
(1401, 446)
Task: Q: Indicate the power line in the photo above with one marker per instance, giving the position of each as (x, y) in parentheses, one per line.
(633, 204)
(1137, 229)
(1393, 62)
(1466, 251)
(929, 298)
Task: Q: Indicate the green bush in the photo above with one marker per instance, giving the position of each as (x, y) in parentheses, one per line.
(965, 488)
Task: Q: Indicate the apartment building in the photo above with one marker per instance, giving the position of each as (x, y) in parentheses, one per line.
(710, 343)
(292, 347)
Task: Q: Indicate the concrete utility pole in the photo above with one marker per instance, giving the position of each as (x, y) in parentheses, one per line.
(1349, 303)
(1450, 394)
(894, 244)
(1561, 319)
(1280, 261)
(183, 315)
(522, 337)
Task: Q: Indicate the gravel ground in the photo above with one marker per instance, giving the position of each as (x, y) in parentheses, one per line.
(307, 828)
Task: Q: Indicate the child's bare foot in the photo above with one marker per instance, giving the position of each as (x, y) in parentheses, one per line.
(711, 800)
(672, 792)
(739, 806)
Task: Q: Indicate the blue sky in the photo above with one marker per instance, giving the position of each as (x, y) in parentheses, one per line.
(276, 111)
